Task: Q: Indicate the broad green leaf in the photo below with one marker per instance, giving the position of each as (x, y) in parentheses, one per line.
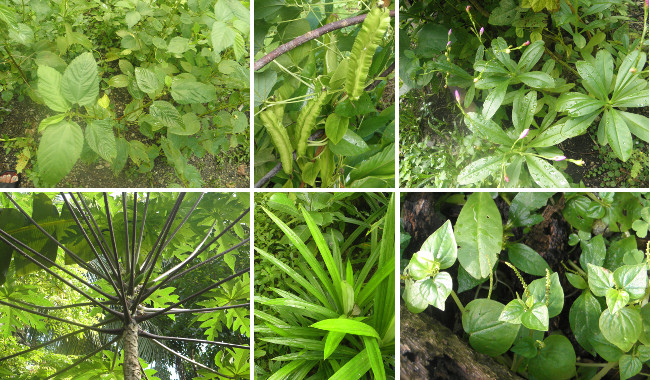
(616, 299)
(332, 341)
(513, 312)
(189, 92)
(593, 252)
(637, 124)
(645, 332)
(564, 130)
(119, 81)
(605, 348)
(597, 75)
(49, 121)
(577, 281)
(167, 114)
(132, 18)
(577, 104)
(479, 170)
(539, 5)
(335, 127)
(101, 139)
(80, 82)
(618, 134)
(494, 100)
(355, 368)
(500, 48)
(22, 34)
(487, 334)
(523, 207)
(599, 279)
(178, 45)
(59, 149)
(632, 278)
(147, 81)
(523, 110)
(487, 129)
(350, 145)
(222, 36)
(436, 290)
(536, 318)
(622, 328)
(583, 317)
(191, 125)
(413, 297)
(624, 73)
(537, 79)
(440, 247)
(281, 202)
(374, 356)
(49, 87)
(544, 174)
(555, 361)
(527, 260)
(531, 56)
(629, 366)
(348, 326)
(479, 232)
(537, 289)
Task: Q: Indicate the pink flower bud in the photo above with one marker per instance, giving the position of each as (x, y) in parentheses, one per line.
(524, 133)
(526, 43)
(646, 3)
(559, 158)
(480, 32)
(506, 178)
(457, 95)
(449, 32)
(448, 43)
(467, 9)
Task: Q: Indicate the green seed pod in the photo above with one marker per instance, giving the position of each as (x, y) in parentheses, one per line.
(369, 37)
(279, 137)
(307, 120)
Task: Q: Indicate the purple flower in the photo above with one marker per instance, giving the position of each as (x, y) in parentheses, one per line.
(450, 32)
(526, 43)
(559, 158)
(480, 32)
(468, 8)
(448, 43)
(457, 95)
(524, 133)
(646, 3)
(505, 176)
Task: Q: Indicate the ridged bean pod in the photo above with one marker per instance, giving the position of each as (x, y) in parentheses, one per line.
(279, 136)
(307, 120)
(369, 37)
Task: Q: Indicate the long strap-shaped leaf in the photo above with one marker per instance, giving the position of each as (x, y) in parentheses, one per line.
(306, 254)
(354, 368)
(385, 295)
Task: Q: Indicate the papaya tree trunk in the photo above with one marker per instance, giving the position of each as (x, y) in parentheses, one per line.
(131, 364)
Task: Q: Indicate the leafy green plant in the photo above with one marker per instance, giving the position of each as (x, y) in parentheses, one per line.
(179, 91)
(92, 281)
(336, 317)
(520, 147)
(324, 95)
(608, 317)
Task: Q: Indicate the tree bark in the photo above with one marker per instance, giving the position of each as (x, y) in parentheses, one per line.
(429, 350)
(131, 366)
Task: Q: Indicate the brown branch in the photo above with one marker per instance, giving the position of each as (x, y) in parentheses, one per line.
(145, 334)
(382, 76)
(11, 57)
(284, 48)
(188, 359)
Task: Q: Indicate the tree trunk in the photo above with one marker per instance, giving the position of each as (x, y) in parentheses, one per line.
(429, 350)
(131, 364)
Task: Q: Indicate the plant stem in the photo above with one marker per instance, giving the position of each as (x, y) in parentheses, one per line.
(11, 57)
(604, 371)
(457, 300)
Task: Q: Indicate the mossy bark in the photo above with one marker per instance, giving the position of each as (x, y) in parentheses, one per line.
(131, 365)
(429, 350)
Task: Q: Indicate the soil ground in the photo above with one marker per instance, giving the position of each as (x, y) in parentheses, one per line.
(22, 121)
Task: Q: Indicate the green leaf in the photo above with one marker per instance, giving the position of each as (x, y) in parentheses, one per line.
(374, 356)
(544, 174)
(350, 145)
(440, 247)
(531, 56)
(494, 100)
(354, 368)
(537, 79)
(59, 149)
(479, 170)
(577, 281)
(178, 45)
(119, 81)
(527, 260)
(487, 333)
(49, 87)
(147, 81)
(556, 360)
(189, 92)
(637, 124)
(167, 115)
(616, 299)
(100, 138)
(281, 202)
(632, 278)
(332, 341)
(222, 36)
(629, 366)
(413, 298)
(49, 121)
(436, 290)
(487, 129)
(645, 332)
(523, 110)
(523, 206)
(605, 348)
(618, 134)
(563, 130)
(577, 104)
(593, 252)
(583, 318)
(348, 326)
(479, 232)
(597, 76)
(132, 18)
(537, 289)
(513, 312)
(622, 328)
(80, 82)
(536, 318)
(335, 127)
(599, 279)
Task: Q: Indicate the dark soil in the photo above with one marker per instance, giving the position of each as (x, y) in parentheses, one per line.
(22, 123)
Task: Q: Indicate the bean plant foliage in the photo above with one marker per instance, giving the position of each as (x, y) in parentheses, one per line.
(95, 285)
(577, 307)
(324, 307)
(543, 73)
(128, 81)
(323, 99)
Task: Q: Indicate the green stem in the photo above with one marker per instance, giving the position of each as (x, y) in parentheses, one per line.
(577, 268)
(592, 364)
(458, 303)
(604, 371)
